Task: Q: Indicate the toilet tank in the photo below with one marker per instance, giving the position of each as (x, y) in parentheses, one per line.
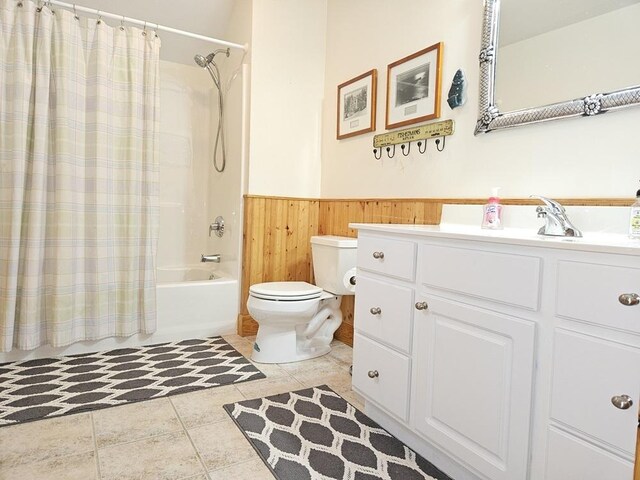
(334, 263)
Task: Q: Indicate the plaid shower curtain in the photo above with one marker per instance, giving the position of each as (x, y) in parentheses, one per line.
(78, 177)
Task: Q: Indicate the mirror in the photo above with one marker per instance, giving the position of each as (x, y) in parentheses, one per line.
(557, 59)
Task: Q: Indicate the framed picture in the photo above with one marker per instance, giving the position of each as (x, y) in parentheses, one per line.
(357, 105)
(413, 87)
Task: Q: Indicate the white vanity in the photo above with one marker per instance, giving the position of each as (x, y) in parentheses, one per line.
(501, 355)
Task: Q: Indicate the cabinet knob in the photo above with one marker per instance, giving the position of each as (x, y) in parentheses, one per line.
(378, 255)
(373, 374)
(623, 402)
(375, 310)
(421, 306)
(629, 299)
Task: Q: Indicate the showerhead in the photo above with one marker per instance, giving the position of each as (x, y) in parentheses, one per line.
(203, 61)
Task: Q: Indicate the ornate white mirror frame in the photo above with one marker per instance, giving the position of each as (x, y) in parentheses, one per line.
(490, 118)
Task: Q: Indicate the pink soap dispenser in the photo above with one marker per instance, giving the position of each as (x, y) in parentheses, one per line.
(492, 212)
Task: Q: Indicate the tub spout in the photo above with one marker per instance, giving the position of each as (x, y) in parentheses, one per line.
(215, 258)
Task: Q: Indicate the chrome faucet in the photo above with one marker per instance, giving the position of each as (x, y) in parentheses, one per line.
(556, 221)
(215, 258)
(217, 226)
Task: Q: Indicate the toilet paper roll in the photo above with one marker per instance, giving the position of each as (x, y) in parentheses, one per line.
(349, 280)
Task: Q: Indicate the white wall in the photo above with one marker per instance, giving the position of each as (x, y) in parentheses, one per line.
(287, 86)
(570, 62)
(592, 157)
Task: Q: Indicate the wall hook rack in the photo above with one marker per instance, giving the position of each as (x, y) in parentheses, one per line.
(420, 135)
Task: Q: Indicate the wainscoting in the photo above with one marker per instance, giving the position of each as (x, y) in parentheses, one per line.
(277, 230)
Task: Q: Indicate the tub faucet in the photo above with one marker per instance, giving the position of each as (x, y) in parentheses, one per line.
(215, 258)
(556, 221)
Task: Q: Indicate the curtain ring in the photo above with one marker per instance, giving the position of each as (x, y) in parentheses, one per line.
(75, 13)
(122, 24)
(144, 29)
(99, 18)
(156, 30)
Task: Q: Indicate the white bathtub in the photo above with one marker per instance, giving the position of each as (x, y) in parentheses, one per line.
(189, 304)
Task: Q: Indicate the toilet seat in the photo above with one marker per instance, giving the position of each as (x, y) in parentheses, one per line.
(285, 291)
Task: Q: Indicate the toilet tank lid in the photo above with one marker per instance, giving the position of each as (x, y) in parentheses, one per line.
(335, 241)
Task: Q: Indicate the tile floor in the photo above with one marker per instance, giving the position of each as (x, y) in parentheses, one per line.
(182, 437)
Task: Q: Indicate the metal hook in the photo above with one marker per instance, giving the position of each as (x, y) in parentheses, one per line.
(407, 146)
(122, 24)
(392, 154)
(99, 18)
(438, 144)
(155, 32)
(375, 155)
(144, 29)
(75, 13)
(422, 150)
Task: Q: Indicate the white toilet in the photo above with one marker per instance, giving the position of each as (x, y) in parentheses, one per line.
(297, 320)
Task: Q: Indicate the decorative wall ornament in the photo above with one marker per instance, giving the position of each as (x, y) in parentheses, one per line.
(457, 92)
(413, 87)
(490, 118)
(357, 105)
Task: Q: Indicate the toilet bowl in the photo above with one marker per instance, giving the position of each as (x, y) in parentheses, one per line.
(297, 320)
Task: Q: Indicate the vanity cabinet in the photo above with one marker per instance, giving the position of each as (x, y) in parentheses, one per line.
(500, 360)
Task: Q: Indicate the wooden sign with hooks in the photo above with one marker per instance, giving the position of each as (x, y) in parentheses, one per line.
(419, 134)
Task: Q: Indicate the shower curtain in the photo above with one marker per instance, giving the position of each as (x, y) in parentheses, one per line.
(78, 177)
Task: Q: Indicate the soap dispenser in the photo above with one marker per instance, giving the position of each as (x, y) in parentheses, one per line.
(634, 218)
(492, 211)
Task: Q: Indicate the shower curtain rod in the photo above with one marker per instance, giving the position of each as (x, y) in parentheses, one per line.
(142, 23)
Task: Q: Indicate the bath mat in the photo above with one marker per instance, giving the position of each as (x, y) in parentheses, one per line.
(315, 434)
(51, 387)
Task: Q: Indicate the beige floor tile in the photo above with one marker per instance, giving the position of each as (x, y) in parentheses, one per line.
(132, 422)
(335, 377)
(74, 467)
(315, 363)
(354, 399)
(165, 457)
(205, 406)
(233, 338)
(245, 348)
(271, 370)
(45, 439)
(342, 353)
(253, 469)
(268, 386)
(251, 338)
(221, 444)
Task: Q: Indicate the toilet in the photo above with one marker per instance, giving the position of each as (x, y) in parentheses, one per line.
(297, 320)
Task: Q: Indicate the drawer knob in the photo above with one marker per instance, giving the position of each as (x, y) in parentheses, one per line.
(629, 299)
(421, 306)
(373, 374)
(375, 310)
(623, 402)
(378, 255)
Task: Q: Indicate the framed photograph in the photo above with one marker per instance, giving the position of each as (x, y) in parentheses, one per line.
(413, 87)
(357, 105)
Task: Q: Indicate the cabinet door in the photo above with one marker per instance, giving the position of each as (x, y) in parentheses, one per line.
(473, 383)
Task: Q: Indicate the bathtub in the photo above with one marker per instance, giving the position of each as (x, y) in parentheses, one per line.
(192, 302)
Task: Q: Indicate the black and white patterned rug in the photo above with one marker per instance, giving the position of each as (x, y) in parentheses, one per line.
(315, 434)
(50, 387)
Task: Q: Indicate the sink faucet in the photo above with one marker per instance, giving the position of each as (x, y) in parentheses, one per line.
(556, 221)
(215, 258)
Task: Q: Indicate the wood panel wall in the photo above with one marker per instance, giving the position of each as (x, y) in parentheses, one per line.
(277, 231)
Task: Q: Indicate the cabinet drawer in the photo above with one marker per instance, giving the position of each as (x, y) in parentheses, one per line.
(569, 458)
(587, 373)
(390, 387)
(384, 312)
(589, 292)
(499, 277)
(391, 257)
